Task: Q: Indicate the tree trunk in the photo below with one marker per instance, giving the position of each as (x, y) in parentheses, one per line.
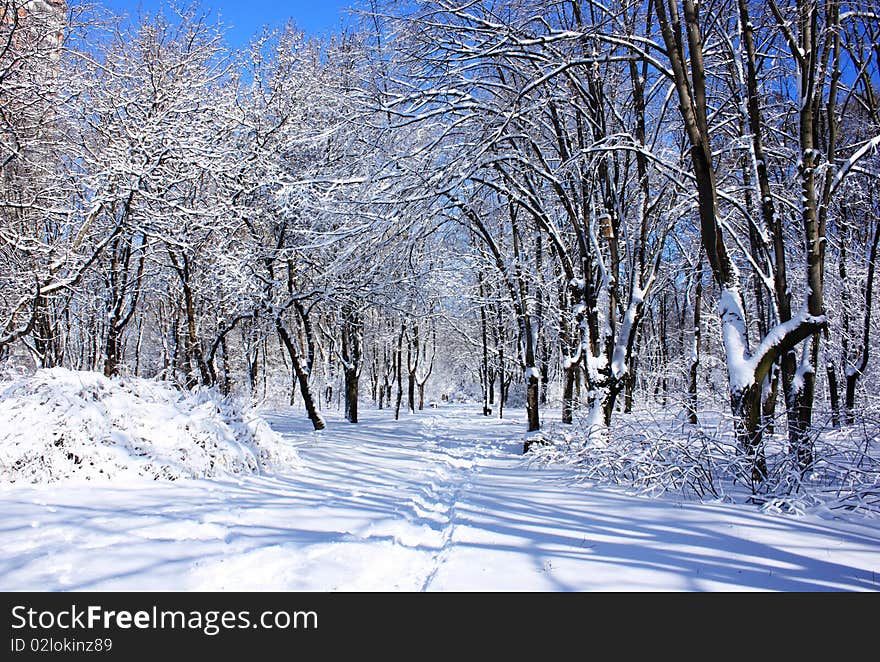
(112, 350)
(399, 371)
(768, 407)
(629, 392)
(850, 396)
(45, 331)
(746, 407)
(532, 400)
(568, 375)
(413, 359)
(484, 337)
(351, 359)
(253, 363)
(302, 376)
(693, 404)
(831, 375)
(351, 395)
(503, 387)
(137, 347)
(226, 387)
(293, 382)
(384, 390)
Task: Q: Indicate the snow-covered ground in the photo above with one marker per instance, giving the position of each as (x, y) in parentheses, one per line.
(439, 501)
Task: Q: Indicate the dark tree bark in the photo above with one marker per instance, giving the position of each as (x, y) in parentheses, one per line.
(484, 337)
(527, 329)
(124, 289)
(192, 344)
(352, 332)
(301, 374)
(693, 405)
(422, 379)
(398, 358)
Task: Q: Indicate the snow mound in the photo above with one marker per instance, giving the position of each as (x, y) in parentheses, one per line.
(60, 424)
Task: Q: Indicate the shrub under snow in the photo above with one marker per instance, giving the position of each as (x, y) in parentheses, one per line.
(652, 456)
(59, 423)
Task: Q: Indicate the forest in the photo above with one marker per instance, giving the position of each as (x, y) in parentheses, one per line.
(646, 228)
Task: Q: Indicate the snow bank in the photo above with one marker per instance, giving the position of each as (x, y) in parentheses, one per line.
(59, 423)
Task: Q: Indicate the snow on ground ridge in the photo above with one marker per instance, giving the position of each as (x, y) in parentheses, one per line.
(60, 424)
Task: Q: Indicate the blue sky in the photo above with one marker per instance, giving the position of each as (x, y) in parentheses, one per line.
(244, 18)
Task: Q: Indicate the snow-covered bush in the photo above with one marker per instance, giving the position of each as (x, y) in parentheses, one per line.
(654, 455)
(60, 423)
(644, 455)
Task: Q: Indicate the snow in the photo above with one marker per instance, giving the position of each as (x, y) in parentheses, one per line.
(740, 370)
(804, 368)
(65, 424)
(595, 364)
(740, 362)
(441, 501)
(868, 148)
(596, 430)
(618, 360)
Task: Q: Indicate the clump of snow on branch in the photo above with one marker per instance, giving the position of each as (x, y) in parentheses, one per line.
(62, 424)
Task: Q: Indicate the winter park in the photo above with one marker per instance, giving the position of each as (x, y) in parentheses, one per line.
(436, 295)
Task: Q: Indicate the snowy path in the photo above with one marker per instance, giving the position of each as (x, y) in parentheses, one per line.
(440, 501)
